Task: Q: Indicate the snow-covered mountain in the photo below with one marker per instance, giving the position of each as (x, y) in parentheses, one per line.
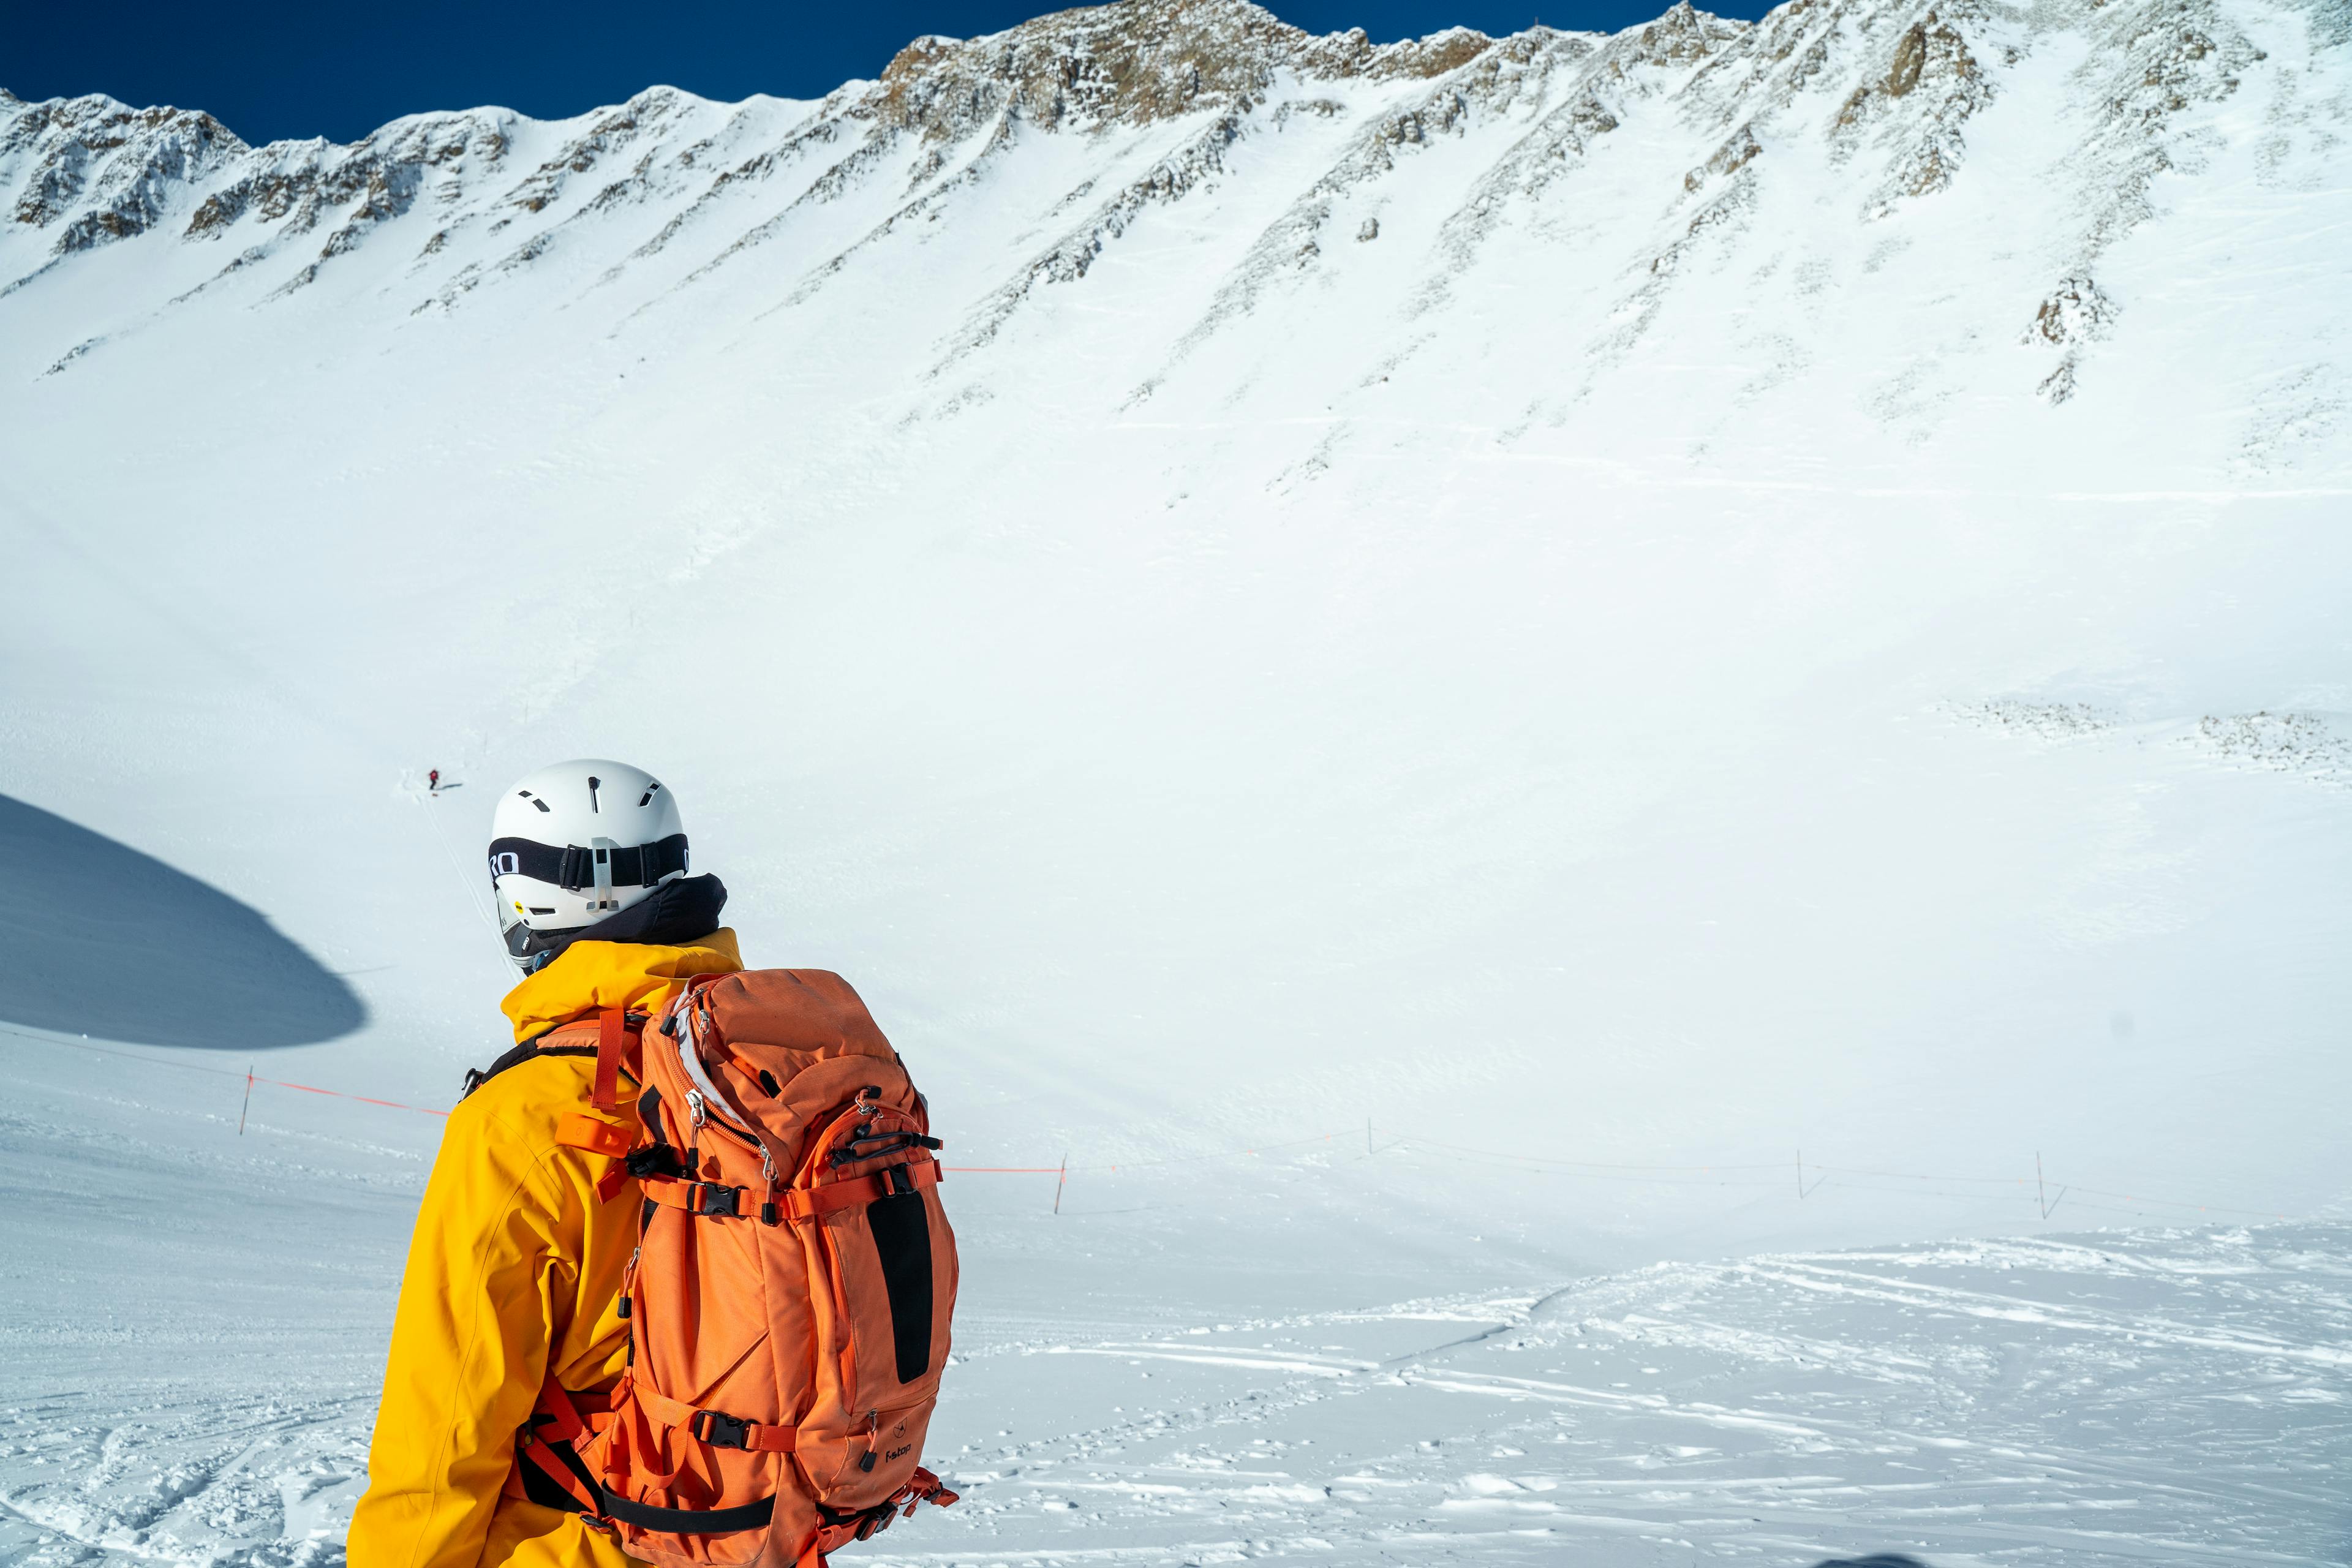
(1726, 583)
(2002, 200)
(1447, 664)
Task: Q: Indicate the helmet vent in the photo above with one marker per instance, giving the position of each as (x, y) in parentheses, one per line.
(532, 799)
(594, 783)
(649, 791)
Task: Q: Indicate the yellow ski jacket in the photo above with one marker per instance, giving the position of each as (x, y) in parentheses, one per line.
(514, 1269)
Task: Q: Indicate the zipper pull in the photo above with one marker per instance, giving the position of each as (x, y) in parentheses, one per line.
(694, 1107)
(873, 1439)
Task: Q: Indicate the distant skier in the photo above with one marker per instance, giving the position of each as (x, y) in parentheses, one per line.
(433, 781)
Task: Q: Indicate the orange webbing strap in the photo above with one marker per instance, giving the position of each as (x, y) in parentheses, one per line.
(928, 1487)
(712, 1426)
(612, 1048)
(563, 1416)
(921, 1487)
(578, 1130)
(807, 1202)
(554, 1420)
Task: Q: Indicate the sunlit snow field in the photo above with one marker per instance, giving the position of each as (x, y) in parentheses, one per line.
(1201, 1370)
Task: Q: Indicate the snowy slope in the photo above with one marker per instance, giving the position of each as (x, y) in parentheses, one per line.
(1620, 608)
(1180, 552)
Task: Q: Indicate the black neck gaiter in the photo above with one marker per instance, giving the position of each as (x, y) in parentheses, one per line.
(678, 912)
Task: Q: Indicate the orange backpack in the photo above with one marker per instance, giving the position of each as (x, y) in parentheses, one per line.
(790, 1299)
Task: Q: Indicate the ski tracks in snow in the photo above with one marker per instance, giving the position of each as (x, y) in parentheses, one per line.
(2151, 1397)
(268, 1480)
(191, 1380)
(2137, 1398)
(192, 1321)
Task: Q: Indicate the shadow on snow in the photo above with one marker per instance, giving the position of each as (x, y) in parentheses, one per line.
(99, 939)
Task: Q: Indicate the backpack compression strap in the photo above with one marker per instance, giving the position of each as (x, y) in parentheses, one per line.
(805, 1204)
(712, 1200)
(714, 1427)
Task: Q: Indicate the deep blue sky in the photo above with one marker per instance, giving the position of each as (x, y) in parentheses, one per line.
(271, 68)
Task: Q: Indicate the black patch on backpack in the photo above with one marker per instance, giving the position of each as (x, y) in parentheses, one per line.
(902, 1238)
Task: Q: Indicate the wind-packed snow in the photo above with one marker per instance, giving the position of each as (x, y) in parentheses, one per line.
(1143, 1379)
(1628, 610)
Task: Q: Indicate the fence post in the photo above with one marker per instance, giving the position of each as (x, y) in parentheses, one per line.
(1059, 1181)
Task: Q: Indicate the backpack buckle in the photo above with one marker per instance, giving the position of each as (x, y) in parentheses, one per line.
(715, 1200)
(721, 1431)
(658, 1160)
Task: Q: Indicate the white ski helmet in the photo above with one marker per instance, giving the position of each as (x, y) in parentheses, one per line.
(574, 843)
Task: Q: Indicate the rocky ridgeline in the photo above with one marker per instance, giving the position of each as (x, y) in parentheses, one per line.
(1133, 64)
(1878, 93)
(94, 170)
(90, 170)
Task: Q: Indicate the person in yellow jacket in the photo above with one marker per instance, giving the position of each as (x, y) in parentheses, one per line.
(514, 1269)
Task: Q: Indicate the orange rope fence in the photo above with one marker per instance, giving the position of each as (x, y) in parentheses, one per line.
(1747, 1176)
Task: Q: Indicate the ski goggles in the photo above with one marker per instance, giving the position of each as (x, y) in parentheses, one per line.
(574, 869)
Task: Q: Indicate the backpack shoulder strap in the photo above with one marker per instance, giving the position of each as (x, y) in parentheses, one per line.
(477, 1076)
(617, 1049)
(616, 1042)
